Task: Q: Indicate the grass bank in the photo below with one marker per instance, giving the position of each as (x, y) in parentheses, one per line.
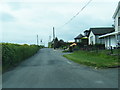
(99, 59)
(12, 54)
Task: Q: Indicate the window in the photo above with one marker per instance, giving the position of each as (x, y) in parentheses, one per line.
(118, 37)
(77, 40)
(119, 21)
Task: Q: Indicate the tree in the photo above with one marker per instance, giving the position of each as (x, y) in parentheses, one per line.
(55, 43)
(61, 43)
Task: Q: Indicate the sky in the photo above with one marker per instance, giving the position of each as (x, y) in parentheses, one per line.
(22, 20)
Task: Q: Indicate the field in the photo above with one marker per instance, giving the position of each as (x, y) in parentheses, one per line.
(13, 54)
(95, 59)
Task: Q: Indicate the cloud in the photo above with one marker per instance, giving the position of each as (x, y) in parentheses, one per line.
(5, 17)
(58, 1)
(15, 5)
(24, 20)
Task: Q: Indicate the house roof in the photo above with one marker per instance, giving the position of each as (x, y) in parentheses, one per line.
(79, 36)
(117, 9)
(86, 33)
(102, 31)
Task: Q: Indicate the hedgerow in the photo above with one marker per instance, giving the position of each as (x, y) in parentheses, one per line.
(12, 54)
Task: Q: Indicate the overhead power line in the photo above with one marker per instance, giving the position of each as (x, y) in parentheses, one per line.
(77, 13)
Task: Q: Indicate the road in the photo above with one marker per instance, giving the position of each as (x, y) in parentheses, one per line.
(48, 69)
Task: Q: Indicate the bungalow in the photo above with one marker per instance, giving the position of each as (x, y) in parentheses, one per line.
(78, 38)
(81, 39)
(96, 32)
(113, 39)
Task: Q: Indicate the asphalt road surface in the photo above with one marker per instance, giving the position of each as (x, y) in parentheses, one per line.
(48, 69)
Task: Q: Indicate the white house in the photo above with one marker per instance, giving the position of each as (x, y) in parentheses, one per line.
(96, 32)
(113, 39)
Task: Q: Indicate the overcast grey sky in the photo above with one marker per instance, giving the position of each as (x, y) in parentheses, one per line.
(22, 20)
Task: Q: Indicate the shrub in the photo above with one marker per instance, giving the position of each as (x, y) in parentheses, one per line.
(12, 54)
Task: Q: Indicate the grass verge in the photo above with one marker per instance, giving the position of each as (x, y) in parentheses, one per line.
(99, 60)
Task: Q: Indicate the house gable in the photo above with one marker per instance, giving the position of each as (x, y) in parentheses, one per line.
(91, 38)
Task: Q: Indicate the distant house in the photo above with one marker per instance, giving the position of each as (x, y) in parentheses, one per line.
(94, 34)
(78, 39)
(81, 39)
(113, 39)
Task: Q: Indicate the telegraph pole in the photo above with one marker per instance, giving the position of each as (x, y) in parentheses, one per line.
(37, 40)
(53, 37)
(53, 33)
(49, 38)
(41, 41)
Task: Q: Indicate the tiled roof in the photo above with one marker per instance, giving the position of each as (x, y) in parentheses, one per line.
(79, 36)
(102, 31)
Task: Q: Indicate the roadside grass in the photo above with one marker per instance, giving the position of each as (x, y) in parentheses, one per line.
(65, 51)
(115, 51)
(99, 60)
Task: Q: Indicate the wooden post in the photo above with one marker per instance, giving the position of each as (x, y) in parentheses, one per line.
(111, 50)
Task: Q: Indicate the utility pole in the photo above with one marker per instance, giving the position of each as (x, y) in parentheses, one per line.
(53, 37)
(49, 38)
(53, 33)
(41, 41)
(37, 40)
(49, 42)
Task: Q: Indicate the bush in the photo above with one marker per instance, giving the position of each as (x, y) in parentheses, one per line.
(12, 54)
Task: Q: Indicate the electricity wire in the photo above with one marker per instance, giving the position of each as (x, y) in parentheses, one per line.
(76, 14)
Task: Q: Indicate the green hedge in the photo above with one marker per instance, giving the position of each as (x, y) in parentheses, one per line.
(12, 54)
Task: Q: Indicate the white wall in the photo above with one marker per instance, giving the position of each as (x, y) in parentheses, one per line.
(117, 28)
(107, 42)
(110, 41)
(91, 35)
(95, 40)
(113, 41)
